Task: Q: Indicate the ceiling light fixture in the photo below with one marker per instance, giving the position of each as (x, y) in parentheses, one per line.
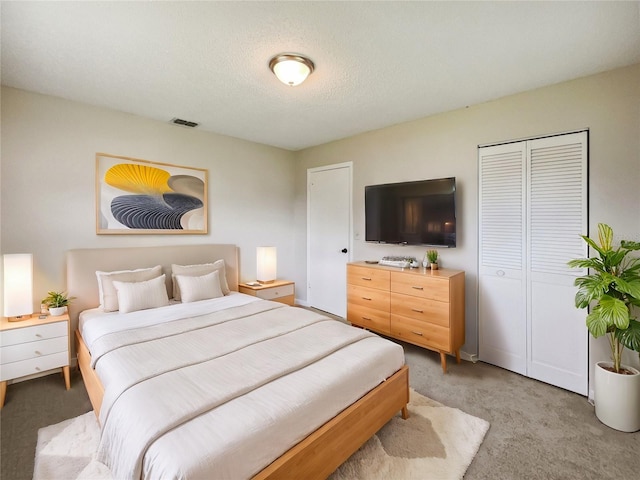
(290, 68)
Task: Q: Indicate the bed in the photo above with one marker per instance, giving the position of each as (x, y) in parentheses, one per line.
(265, 385)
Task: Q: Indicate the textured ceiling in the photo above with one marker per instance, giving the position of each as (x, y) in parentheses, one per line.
(377, 63)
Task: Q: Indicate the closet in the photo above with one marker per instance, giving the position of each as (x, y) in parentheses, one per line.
(532, 211)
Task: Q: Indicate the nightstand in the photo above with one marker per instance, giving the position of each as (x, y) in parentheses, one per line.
(281, 291)
(33, 346)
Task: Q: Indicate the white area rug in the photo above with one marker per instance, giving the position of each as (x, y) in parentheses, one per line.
(436, 442)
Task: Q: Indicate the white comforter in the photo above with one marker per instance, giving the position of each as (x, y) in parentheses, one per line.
(223, 394)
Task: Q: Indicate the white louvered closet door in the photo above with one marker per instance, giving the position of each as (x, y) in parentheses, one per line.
(501, 302)
(557, 204)
(527, 319)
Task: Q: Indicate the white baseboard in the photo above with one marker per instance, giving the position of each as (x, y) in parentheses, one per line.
(470, 357)
(302, 303)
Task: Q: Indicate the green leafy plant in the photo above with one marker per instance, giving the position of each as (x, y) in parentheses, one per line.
(612, 290)
(432, 256)
(57, 299)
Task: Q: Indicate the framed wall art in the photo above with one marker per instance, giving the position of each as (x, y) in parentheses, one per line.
(136, 196)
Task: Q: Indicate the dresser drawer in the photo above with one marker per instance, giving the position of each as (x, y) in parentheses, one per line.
(420, 286)
(423, 309)
(368, 277)
(33, 334)
(276, 292)
(33, 365)
(420, 333)
(25, 351)
(368, 297)
(368, 318)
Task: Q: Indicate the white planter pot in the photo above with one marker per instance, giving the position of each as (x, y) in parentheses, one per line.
(57, 311)
(617, 398)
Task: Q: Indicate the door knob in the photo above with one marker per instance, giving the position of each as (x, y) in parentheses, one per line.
(344, 250)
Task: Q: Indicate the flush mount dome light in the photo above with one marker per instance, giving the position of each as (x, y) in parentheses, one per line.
(291, 69)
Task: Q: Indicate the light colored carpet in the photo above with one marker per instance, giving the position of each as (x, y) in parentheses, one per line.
(436, 442)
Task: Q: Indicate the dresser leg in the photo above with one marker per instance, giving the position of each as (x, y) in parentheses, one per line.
(458, 356)
(3, 393)
(443, 361)
(67, 380)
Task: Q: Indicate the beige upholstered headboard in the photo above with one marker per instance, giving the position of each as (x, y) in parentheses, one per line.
(82, 265)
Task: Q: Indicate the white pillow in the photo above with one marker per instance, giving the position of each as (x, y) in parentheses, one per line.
(196, 271)
(108, 294)
(134, 296)
(203, 287)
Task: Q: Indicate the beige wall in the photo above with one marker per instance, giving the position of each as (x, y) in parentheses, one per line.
(48, 183)
(257, 194)
(446, 145)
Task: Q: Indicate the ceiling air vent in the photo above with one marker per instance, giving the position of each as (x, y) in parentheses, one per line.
(184, 123)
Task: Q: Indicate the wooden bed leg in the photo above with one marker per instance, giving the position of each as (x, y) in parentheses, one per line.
(3, 393)
(405, 412)
(65, 374)
(443, 361)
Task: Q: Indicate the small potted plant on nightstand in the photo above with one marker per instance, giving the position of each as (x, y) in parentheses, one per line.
(57, 302)
(432, 259)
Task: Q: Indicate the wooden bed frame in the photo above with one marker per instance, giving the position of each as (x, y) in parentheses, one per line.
(315, 457)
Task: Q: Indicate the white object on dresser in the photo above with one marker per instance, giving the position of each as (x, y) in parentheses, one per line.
(33, 346)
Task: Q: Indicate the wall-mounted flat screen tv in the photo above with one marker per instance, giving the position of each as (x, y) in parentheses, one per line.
(412, 213)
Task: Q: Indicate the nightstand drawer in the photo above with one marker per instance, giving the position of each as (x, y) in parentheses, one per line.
(275, 292)
(25, 351)
(34, 333)
(34, 365)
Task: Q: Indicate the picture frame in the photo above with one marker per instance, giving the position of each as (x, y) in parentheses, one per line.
(135, 196)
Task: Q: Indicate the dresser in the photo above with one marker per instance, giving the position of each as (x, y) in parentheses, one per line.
(416, 305)
(33, 346)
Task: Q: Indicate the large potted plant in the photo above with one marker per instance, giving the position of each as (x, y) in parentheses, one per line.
(612, 292)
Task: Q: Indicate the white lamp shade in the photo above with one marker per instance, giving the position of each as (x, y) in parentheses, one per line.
(291, 72)
(18, 284)
(266, 264)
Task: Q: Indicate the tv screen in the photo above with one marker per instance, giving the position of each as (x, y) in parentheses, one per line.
(412, 213)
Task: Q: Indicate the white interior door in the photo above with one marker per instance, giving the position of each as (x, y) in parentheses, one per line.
(328, 236)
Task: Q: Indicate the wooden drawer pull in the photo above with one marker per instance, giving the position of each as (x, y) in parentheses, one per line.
(416, 333)
(366, 318)
(418, 288)
(416, 310)
(368, 279)
(366, 298)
